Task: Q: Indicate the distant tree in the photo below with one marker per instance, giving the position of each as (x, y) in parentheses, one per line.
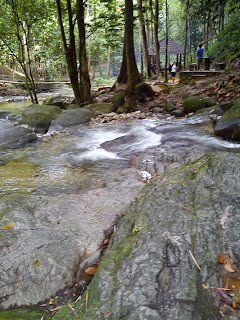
(17, 23)
(227, 44)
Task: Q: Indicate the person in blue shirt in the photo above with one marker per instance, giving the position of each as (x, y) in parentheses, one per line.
(199, 56)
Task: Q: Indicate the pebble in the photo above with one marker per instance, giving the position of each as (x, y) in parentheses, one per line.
(114, 117)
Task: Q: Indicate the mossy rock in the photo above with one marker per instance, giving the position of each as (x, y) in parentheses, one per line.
(72, 117)
(143, 90)
(225, 106)
(215, 110)
(117, 100)
(209, 102)
(193, 104)
(100, 108)
(39, 117)
(169, 107)
(56, 101)
(228, 127)
(23, 314)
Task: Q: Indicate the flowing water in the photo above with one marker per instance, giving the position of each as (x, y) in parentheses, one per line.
(55, 164)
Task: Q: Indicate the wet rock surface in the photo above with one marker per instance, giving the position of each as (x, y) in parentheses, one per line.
(76, 185)
(15, 136)
(147, 272)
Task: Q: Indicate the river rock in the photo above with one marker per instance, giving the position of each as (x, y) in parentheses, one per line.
(4, 124)
(148, 272)
(193, 104)
(117, 100)
(143, 90)
(39, 117)
(228, 127)
(4, 114)
(52, 234)
(100, 108)
(70, 118)
(18, 135)
(59, 101)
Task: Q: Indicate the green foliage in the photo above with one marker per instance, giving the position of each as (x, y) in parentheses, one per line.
(227, 45)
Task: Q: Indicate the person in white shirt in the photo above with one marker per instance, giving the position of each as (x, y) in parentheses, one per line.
(173, 71)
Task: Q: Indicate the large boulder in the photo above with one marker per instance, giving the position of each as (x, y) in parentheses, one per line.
(39, 117)
(70, 118)
(193, 104)
(18, 135)
(228, 127)
(148, 272)
(143, 90)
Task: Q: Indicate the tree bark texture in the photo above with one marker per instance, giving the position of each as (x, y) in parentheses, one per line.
(166, 37)
(70, 50)
(85, 84)
(146, 63)
(133, 76)
(156, 24)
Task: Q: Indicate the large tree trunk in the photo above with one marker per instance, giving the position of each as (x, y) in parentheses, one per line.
(85, 84)
(146, 63)
(133, 76)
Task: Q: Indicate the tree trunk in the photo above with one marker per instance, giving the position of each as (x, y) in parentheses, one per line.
(156, 24)
(221, 15)
(122, 77)
(133, 76)
(70, 50)
(166, 51)
(146, 63)
(85, 84)
(186, 36)
(108, 59)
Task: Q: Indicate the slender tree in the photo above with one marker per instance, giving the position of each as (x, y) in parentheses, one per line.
(144, 46)
(166, 38)
(156, 25)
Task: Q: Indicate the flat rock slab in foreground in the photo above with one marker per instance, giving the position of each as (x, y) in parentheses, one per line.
(147, 272)
(44, 239)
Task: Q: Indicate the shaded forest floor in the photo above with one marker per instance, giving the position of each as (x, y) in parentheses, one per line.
(223, 88)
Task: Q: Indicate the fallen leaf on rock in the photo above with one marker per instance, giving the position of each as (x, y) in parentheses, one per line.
(107, 316)
(86, 302)
(221, 258)
(105, 243)
(9, 226)
(91, 270)
(51, 301)
(205, 287)
(36, 263)
(234, 304)
(229, 267)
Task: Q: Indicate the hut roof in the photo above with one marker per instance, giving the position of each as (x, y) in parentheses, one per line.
(173, 47)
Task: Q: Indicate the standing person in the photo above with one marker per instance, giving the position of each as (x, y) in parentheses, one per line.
(173, 71)
(199, 56)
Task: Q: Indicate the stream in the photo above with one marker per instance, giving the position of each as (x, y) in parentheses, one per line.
(62, 194)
